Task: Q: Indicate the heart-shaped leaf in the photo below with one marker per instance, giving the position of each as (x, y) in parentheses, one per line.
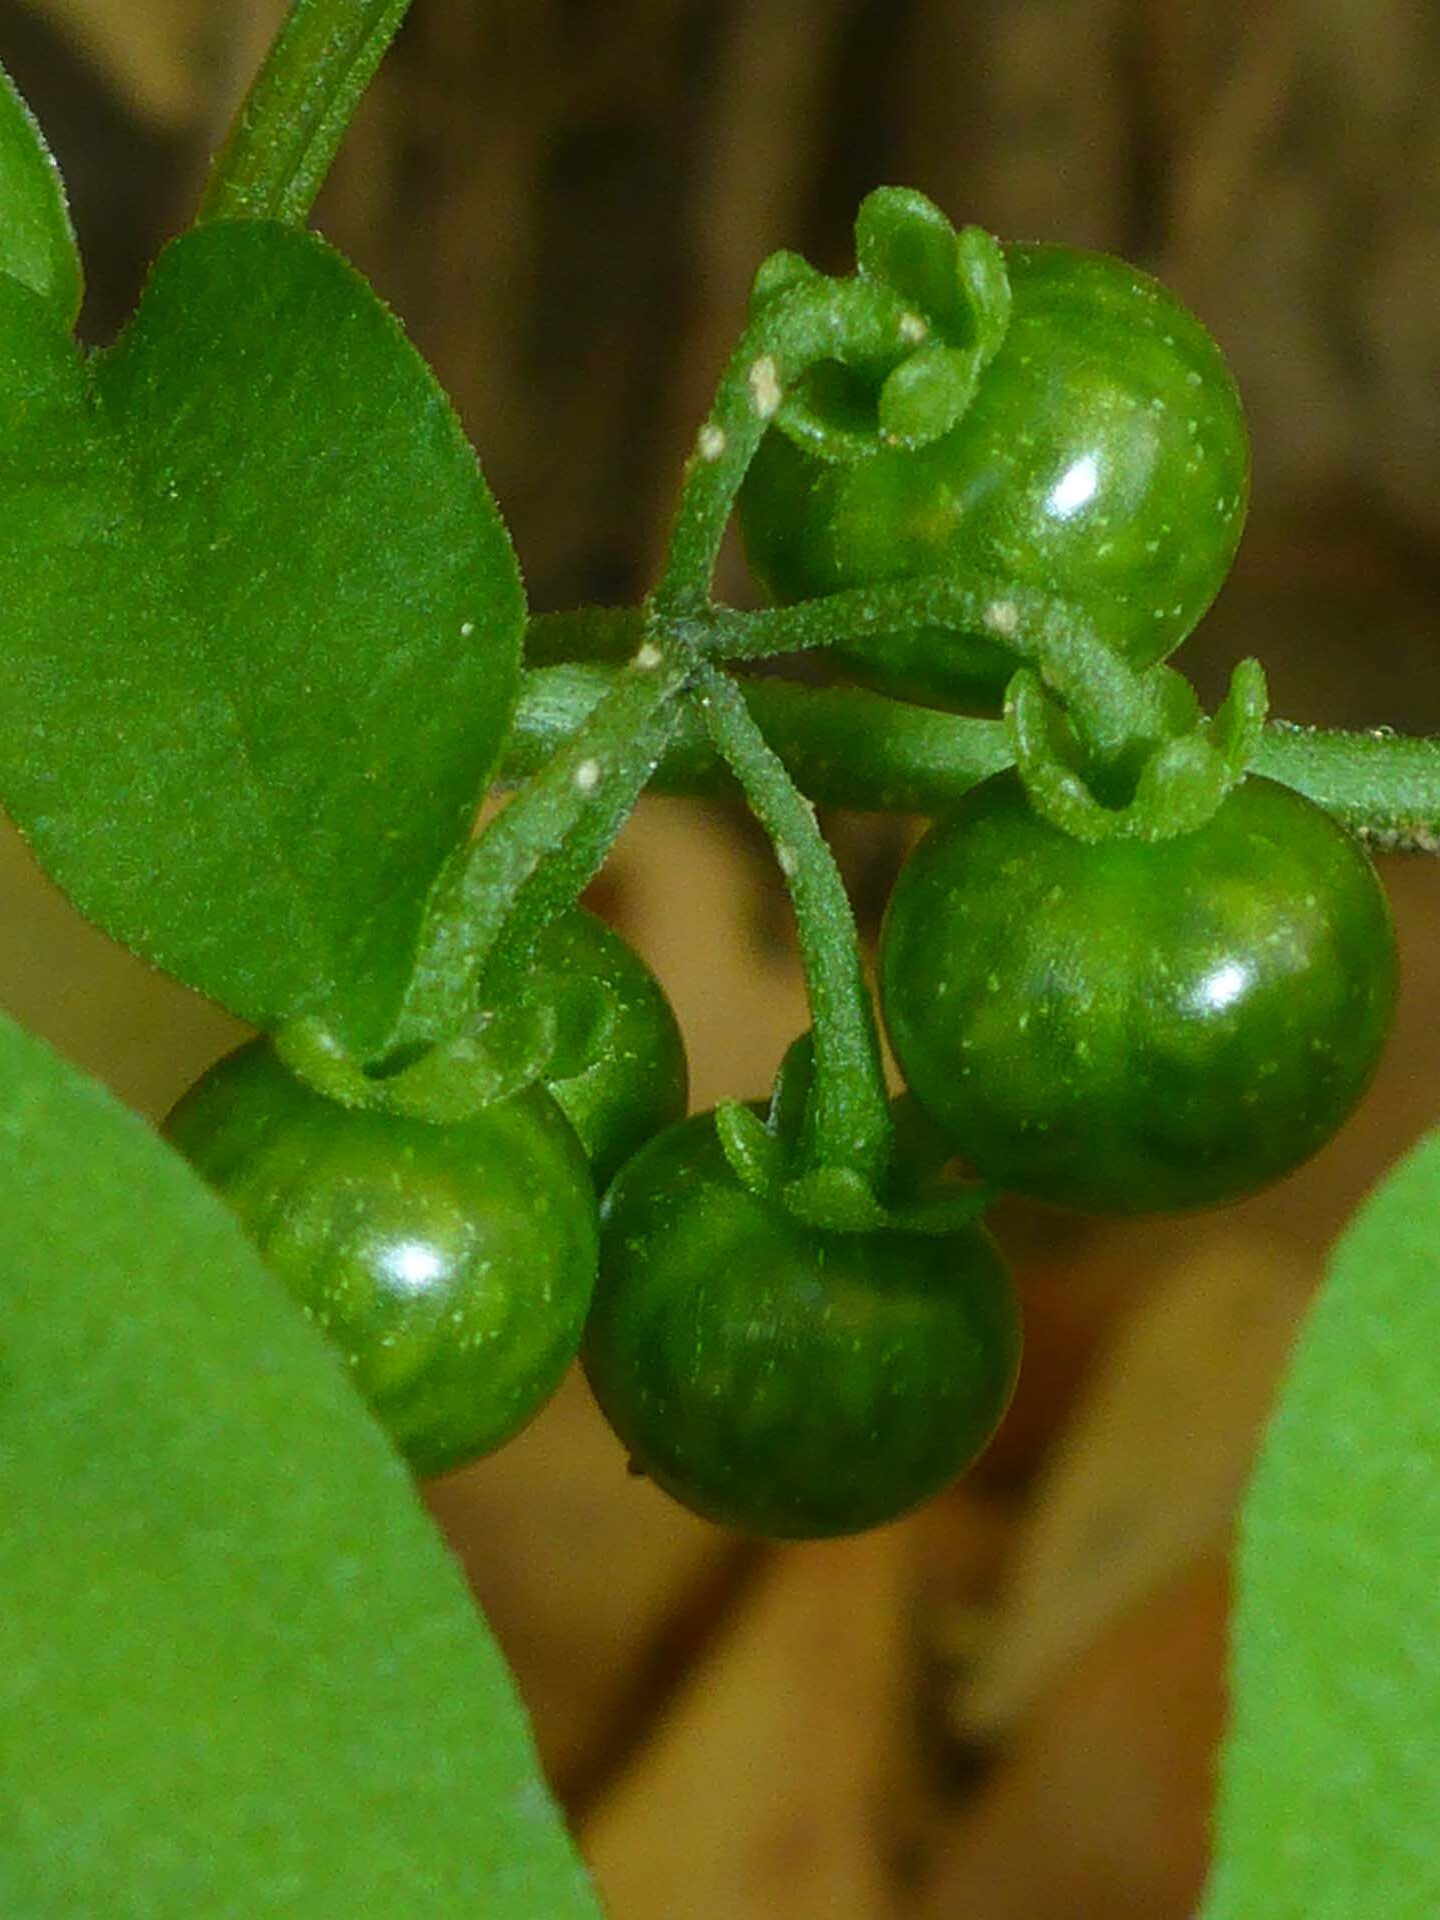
(1330, 1788)
(239, 1676)
(37, 242)
(261, 625)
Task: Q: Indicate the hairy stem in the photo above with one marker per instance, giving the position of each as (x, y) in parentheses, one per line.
(290, 125)
(847, 321)
(532, 860)
(847, 1121)
(846, 748)
(871, 625)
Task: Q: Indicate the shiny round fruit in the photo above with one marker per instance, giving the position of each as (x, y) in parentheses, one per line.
(1103, 460)
(1135, 1027)
(782, 1380)
(450, 1265)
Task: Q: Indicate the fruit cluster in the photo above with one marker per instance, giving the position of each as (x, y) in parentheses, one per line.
(1115, 1022)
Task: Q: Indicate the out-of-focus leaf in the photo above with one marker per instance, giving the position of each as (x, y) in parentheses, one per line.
(240, 1678)
(1330, 1789)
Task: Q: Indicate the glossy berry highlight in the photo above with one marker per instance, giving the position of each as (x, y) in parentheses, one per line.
(1103, 460)
(781, 1380)
(451, 1266)
(1138, 1026)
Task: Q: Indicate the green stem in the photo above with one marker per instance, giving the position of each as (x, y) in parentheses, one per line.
(1384, 786)
(1111, 702)
(532, 860)
(847, 1120)
(290, 125)
(842, 747)
(845, 748)
(850, 321)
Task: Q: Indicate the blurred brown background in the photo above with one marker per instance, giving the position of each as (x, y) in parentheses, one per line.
(1005, 1708)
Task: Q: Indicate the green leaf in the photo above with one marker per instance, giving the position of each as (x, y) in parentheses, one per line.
(37, 242)
(1330, 1789)
(240, 1678)
(261, 629)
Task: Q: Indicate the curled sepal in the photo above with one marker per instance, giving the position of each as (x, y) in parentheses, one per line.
(927, 394)
(945, 1213)
(778, 274)
(790, 1093)
(839, 1200)
(1179, 789)
(1183, 778)
(986, 280)
(825, 412)
(947, 295)
(447, 1083)
(1047, 758)
(1185, 781)
(830, 408)
(1239, 723)
(457, 1079)
(37, 241)
(767, 1158)
(835, 1200)
(316, 1054)
(753, 1151)
(904, 241)
(583, 1014)
(1170, 703)
(955, 282)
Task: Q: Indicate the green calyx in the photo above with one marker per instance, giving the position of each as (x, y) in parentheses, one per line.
(1166, 778)
(951, 299)
(910, 1195)
(451, 1081)
(549, 1029)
